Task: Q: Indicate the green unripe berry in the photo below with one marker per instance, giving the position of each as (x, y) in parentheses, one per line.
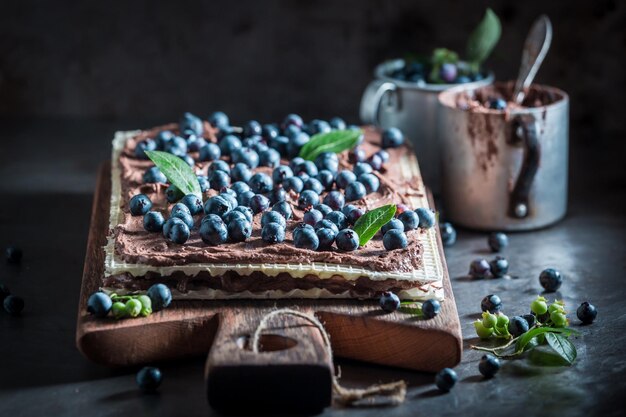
(133, 307)
(556, 307)
(503, 320)
(539, 306)
(146, 305)
(558, 319)
(489, 320)
(482, 331)
(118, 310)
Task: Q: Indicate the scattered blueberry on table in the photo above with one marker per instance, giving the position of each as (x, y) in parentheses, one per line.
(431, 308)
(99, 304)
(499, 267)
(479, 268)
(491, 303)
(586, 312)
(389, 302)
(550, 279)
(446, 379)
(149, 378)
(489, 366)
(497, 241)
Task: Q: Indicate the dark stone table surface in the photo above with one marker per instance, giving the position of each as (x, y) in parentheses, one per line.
(47, 172)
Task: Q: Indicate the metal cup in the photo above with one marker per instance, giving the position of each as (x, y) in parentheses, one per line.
(411, 107)
(504, 170)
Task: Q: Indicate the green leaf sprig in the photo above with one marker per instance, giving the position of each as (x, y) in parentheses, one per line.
(483, 39)
(336, 141)
(368, 224)
(177, 172)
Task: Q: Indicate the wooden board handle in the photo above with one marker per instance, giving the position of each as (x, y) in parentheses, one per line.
(292, 373)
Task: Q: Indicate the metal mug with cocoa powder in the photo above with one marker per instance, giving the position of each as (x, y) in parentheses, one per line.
(504, 169)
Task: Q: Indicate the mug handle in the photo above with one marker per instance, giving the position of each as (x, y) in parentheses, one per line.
(525, 130)
(371, 100)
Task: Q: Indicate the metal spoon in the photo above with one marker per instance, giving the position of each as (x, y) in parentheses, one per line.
(535, 49)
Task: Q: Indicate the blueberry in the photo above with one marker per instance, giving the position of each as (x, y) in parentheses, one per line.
(337, 123)
(296, 143)
(241, 173)
(194, 144)
(244, 198)
(392, 224)
(259, 203)
(586, 312)
(499, 267)
(383, 154)
(489, 366)
(293, 164)
(496, 104)
(335, 200)
(13, 255)
(188, 160)
(395, 239)
(219, 120)
(269, 158)
(218, 166)
(392, 138)
(273, 232)
(167, 226)
(448, 234)
(173, 194)
(389, 302)
(219, 179)
(347, 239)
(370, 181)
(445, 379)
(317, 126)
(246, 211)
(361, 168)
(229, 144)
(312, 216)
(99, 304)
(261, 183)
(149, 378)
(294, 184)
(252, 128)
(314, 185)
(292, 120)
(204, 183)
(326, 237)
(191, 122)
(338, 218)
(409, 219)
(280, 144)
(357, 154)
(181, 211)
(229, 217)
(153, 221)
(306, 167)
(139, 205)
(193, 203)
(323, 208)
(230, 197)
(304, 237)
(246, 156)
(154, 175)
(491, 303)
(354, 214)
(448, 72)
(160, 296)
(239, 187)
(176, 146)
(179, 232)
(143, 146)
(4, 292)
(269, 131)
(375, 161)
(550, 279)
(14, 305)
(239, 230)
(291, 131)
(213, 230)
(355, 191)
(277, 194)
(273, 217)
(283, 208)
(326, 178)
(217, 205)
(498, 241)
(517, 326)
(479, 268)
(308, 198)
(462, 79)
(431, 308)
(427, 217)
(530, 319)
(344, 178)
(327, 224)
(328, 161)
(162, 138)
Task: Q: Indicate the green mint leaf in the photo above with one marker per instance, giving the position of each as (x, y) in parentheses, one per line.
(532, 333)
(545, 356)
(371, 222)
(562, 346)
(484, 38)
(177, 172)
(336, 141)
(414, 311)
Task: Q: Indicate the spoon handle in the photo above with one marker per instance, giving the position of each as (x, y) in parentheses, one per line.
(535, 49)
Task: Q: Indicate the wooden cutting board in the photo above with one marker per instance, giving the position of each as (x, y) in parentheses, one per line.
(294, 366)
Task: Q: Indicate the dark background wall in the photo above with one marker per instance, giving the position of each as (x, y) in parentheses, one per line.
(262, 59)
